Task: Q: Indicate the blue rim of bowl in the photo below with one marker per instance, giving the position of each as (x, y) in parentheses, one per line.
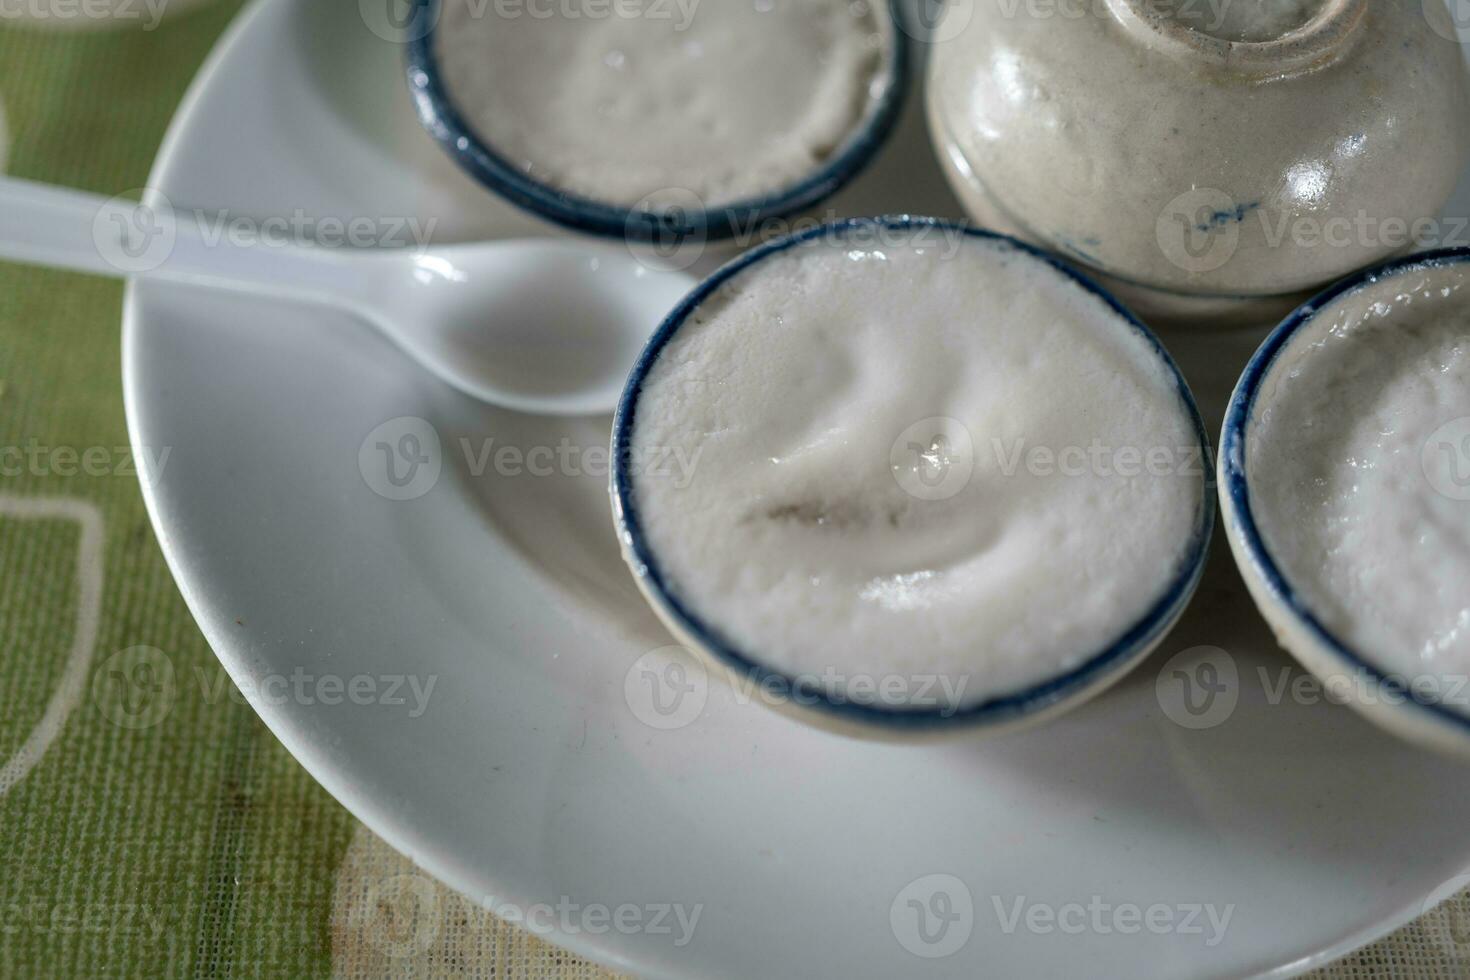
(438, 114)
(999, 710)
(1235, 482)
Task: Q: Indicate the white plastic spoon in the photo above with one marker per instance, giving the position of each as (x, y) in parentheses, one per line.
(541, 326)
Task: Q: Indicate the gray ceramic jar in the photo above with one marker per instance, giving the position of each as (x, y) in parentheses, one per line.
(1209, 159)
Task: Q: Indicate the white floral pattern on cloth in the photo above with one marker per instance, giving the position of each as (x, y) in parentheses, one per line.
(391, 919)
(94, 15)
(73, 683)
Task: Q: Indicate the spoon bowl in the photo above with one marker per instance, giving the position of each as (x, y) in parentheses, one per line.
(547, 327)
(569, 320)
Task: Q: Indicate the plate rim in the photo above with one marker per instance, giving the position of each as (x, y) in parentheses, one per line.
(362, 806)
(368, 811)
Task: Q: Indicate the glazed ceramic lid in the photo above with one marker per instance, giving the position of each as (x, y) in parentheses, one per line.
(1206, 157)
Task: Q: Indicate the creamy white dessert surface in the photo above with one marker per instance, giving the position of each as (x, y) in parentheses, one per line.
(726, 99)
(824, 532)
(1359, 471)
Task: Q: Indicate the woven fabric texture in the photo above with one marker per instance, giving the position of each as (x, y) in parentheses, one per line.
(149, 823)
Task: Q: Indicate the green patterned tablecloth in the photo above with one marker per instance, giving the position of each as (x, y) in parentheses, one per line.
(149, 823)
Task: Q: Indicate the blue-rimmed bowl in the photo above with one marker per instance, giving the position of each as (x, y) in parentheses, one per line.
(1115, 656)
(1348, 674)
(439, 115)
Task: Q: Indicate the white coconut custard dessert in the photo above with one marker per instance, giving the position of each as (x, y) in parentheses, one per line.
(928, 473)
(1357, 464)
(648, 103)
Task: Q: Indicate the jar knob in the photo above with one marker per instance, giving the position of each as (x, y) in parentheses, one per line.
(1317, 41)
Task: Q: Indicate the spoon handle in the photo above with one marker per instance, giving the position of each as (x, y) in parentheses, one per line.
(60, 228)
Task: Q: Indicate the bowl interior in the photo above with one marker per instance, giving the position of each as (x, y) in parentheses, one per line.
(1291, 349)
(675, 225)
(1097, 671)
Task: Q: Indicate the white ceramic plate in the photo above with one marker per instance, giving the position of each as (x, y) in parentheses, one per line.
(530, 778)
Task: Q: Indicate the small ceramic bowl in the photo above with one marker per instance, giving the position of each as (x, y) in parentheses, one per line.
(1205, 165)
(667, 228)
(808, 702)
(1349, 674)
